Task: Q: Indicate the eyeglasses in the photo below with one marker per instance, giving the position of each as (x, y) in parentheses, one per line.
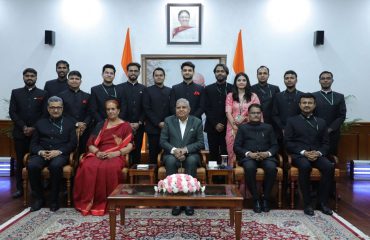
(55, 108)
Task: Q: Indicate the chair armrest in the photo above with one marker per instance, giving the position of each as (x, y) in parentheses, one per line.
(289, 163)
(333, 159)
(127, 160)
(72, 159)
(159, 158)
(203, 158)
(25, 159)
(280, 160)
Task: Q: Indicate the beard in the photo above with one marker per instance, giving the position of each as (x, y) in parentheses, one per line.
(29, 83)
(187, 78)
(221, 79)
(133, 78)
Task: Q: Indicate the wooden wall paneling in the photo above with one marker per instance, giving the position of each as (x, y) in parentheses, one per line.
(6, 143)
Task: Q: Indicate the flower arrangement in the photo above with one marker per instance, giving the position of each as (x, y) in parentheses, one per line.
(179, 183)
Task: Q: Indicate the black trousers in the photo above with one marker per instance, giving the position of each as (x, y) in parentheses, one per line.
(22, 146)
(326, 169)
(135, 154)
(217, 145)
(190, 164)
(250, 169)
(333, 142)
(154, 147)
(55, 165)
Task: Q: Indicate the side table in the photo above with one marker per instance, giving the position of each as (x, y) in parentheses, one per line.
(228, 172)
(150, 172)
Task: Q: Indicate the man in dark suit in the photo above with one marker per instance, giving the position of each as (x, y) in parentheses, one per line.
(103, 92)
(76, 104)
(214, 106)
(188, 90)
(56, 86)
(285, 104)
(330, 106)
(182, 139)
(257, 146)
(53, 140)
(132, 107)
(265, 92)
(157, 107)
(27, 105)
(307, 141)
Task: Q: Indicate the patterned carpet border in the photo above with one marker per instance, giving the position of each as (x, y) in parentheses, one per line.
(158, 223)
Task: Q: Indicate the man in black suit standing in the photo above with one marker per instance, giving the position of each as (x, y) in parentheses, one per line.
(53, 140)
(214, 106)
(265, 92)
(257, 146)
(103, 92)
(307, 141)
(330, 106)
(157, 108)
(76, 104)
(56, 86)
(285, 103)
(188, 90)
(132, 107)
(182, 139)
(27, 105)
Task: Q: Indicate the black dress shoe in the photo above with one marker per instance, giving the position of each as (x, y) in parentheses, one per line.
(54, 207)
(189, 211)
(257, 206)
(325, 210)
(17, 194)
(37, 205)
(176, 211)
(265, 206)
(309, 211)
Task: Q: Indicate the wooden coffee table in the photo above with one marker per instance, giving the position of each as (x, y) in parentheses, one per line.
(216, 196)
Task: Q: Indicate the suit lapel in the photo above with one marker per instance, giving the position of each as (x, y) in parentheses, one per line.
(189, 126)
(176, 125)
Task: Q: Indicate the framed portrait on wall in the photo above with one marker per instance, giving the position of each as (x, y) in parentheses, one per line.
(184, 23)
(171, 64)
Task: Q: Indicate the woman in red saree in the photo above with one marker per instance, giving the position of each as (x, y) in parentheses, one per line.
(99, 171)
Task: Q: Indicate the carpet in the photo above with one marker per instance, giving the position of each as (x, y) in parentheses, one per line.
(158, 223)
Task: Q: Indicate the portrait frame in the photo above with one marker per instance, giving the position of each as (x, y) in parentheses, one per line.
(187, 30)
(171, 63)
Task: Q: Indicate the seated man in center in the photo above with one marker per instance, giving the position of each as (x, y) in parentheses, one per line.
(256, 146)
(182, 139)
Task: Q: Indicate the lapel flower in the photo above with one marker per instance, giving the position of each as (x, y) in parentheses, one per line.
(84, 101)
(196, 93)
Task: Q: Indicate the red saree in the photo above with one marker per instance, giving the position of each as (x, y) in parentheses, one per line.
(96, 178)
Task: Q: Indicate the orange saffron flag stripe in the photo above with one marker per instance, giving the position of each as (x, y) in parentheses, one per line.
(126, 54)
(238, 64)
